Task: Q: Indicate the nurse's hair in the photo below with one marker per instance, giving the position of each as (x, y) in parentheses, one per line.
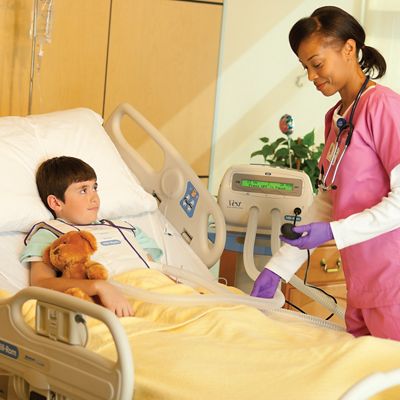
(55, 175)
(333, 22)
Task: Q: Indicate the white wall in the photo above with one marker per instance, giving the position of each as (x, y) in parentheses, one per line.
(382, 23)
(257, 80)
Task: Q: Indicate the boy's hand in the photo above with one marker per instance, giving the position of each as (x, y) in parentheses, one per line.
(113, 299)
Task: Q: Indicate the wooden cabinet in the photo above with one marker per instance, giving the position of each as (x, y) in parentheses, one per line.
(163, 59)
(325, 272)
(65, 70)
(15, 56)
(159, 55)
(72, 71)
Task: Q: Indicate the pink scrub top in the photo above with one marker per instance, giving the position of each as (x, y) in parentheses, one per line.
(372, 267)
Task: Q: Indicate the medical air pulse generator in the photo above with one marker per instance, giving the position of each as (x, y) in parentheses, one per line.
(259, 199)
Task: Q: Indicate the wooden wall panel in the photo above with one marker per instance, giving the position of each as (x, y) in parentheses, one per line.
(72, 71)
(203, 1)
(15, 56)
(163, 59)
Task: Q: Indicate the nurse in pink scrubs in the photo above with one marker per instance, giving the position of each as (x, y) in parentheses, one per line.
(358, 202)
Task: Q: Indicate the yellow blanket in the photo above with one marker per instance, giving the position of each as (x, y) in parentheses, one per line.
(236, 352)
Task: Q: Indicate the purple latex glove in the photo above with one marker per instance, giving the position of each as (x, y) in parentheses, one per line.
(313, 235)
(266, 284)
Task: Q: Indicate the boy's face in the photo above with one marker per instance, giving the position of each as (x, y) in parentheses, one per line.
(81, 203)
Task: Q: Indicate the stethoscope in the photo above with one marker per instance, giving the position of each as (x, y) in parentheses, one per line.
(342, 124)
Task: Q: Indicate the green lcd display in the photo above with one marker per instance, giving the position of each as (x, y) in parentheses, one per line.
(253, 183)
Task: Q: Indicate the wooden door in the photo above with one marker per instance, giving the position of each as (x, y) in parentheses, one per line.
(163, 60)
(72, 70)
(15, 56)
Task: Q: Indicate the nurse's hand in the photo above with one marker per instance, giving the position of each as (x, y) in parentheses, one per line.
(312, 236)
(266, 284)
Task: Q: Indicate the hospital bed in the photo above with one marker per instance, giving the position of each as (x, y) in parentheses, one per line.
(54, 346)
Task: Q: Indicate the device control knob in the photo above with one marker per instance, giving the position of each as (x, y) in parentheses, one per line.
(288, 233)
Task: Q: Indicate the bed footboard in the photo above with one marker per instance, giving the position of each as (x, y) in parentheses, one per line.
(39, 367)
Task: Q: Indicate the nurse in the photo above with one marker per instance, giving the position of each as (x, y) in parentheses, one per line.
(358, 202)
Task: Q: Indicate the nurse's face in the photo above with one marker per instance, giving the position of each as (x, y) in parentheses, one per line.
(326, 62)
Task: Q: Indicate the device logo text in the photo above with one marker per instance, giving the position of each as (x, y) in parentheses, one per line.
(9, 350)
(235, 204)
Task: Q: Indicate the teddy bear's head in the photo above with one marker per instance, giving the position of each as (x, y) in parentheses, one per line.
(71, 248)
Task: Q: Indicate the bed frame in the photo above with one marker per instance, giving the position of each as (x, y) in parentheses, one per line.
(170, 185)
(50, 361)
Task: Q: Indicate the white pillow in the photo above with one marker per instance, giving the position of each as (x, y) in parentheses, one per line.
(25, 142)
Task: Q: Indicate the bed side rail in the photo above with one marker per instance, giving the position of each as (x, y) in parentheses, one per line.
(181, 194)
(52, 369)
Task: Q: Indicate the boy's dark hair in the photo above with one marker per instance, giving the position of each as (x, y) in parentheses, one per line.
(56, 174)
(330, 21)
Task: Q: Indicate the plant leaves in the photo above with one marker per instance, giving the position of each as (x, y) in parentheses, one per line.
(282, 153)
(256, 153)
(300, 150)
(267, 150)
(309, 139)
(311, 164)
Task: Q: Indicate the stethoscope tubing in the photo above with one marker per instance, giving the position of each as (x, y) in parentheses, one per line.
(322, 180)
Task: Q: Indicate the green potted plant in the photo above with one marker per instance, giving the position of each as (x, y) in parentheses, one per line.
(301, 153)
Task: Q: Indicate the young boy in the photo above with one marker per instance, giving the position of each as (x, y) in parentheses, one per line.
(68, 188)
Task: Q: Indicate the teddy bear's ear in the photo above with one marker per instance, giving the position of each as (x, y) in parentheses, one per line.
(90, 238)
(46, 255)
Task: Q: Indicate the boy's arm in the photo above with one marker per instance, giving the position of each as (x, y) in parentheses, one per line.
(147, 243)
(44, 276)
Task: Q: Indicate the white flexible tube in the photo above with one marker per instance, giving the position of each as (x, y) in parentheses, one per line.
(213, 286)
(312, 319)
(223, 296)
(249, 241)
(372, 385)
(265, 305)
(318, 296)
(275, 230)
(197, 299)
(195, 279)
(295, 281)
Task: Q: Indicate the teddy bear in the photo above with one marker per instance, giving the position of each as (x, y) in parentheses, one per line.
(70, 255)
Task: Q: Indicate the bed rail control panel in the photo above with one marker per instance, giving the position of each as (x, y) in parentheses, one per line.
(189, 199)
(61, 324)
